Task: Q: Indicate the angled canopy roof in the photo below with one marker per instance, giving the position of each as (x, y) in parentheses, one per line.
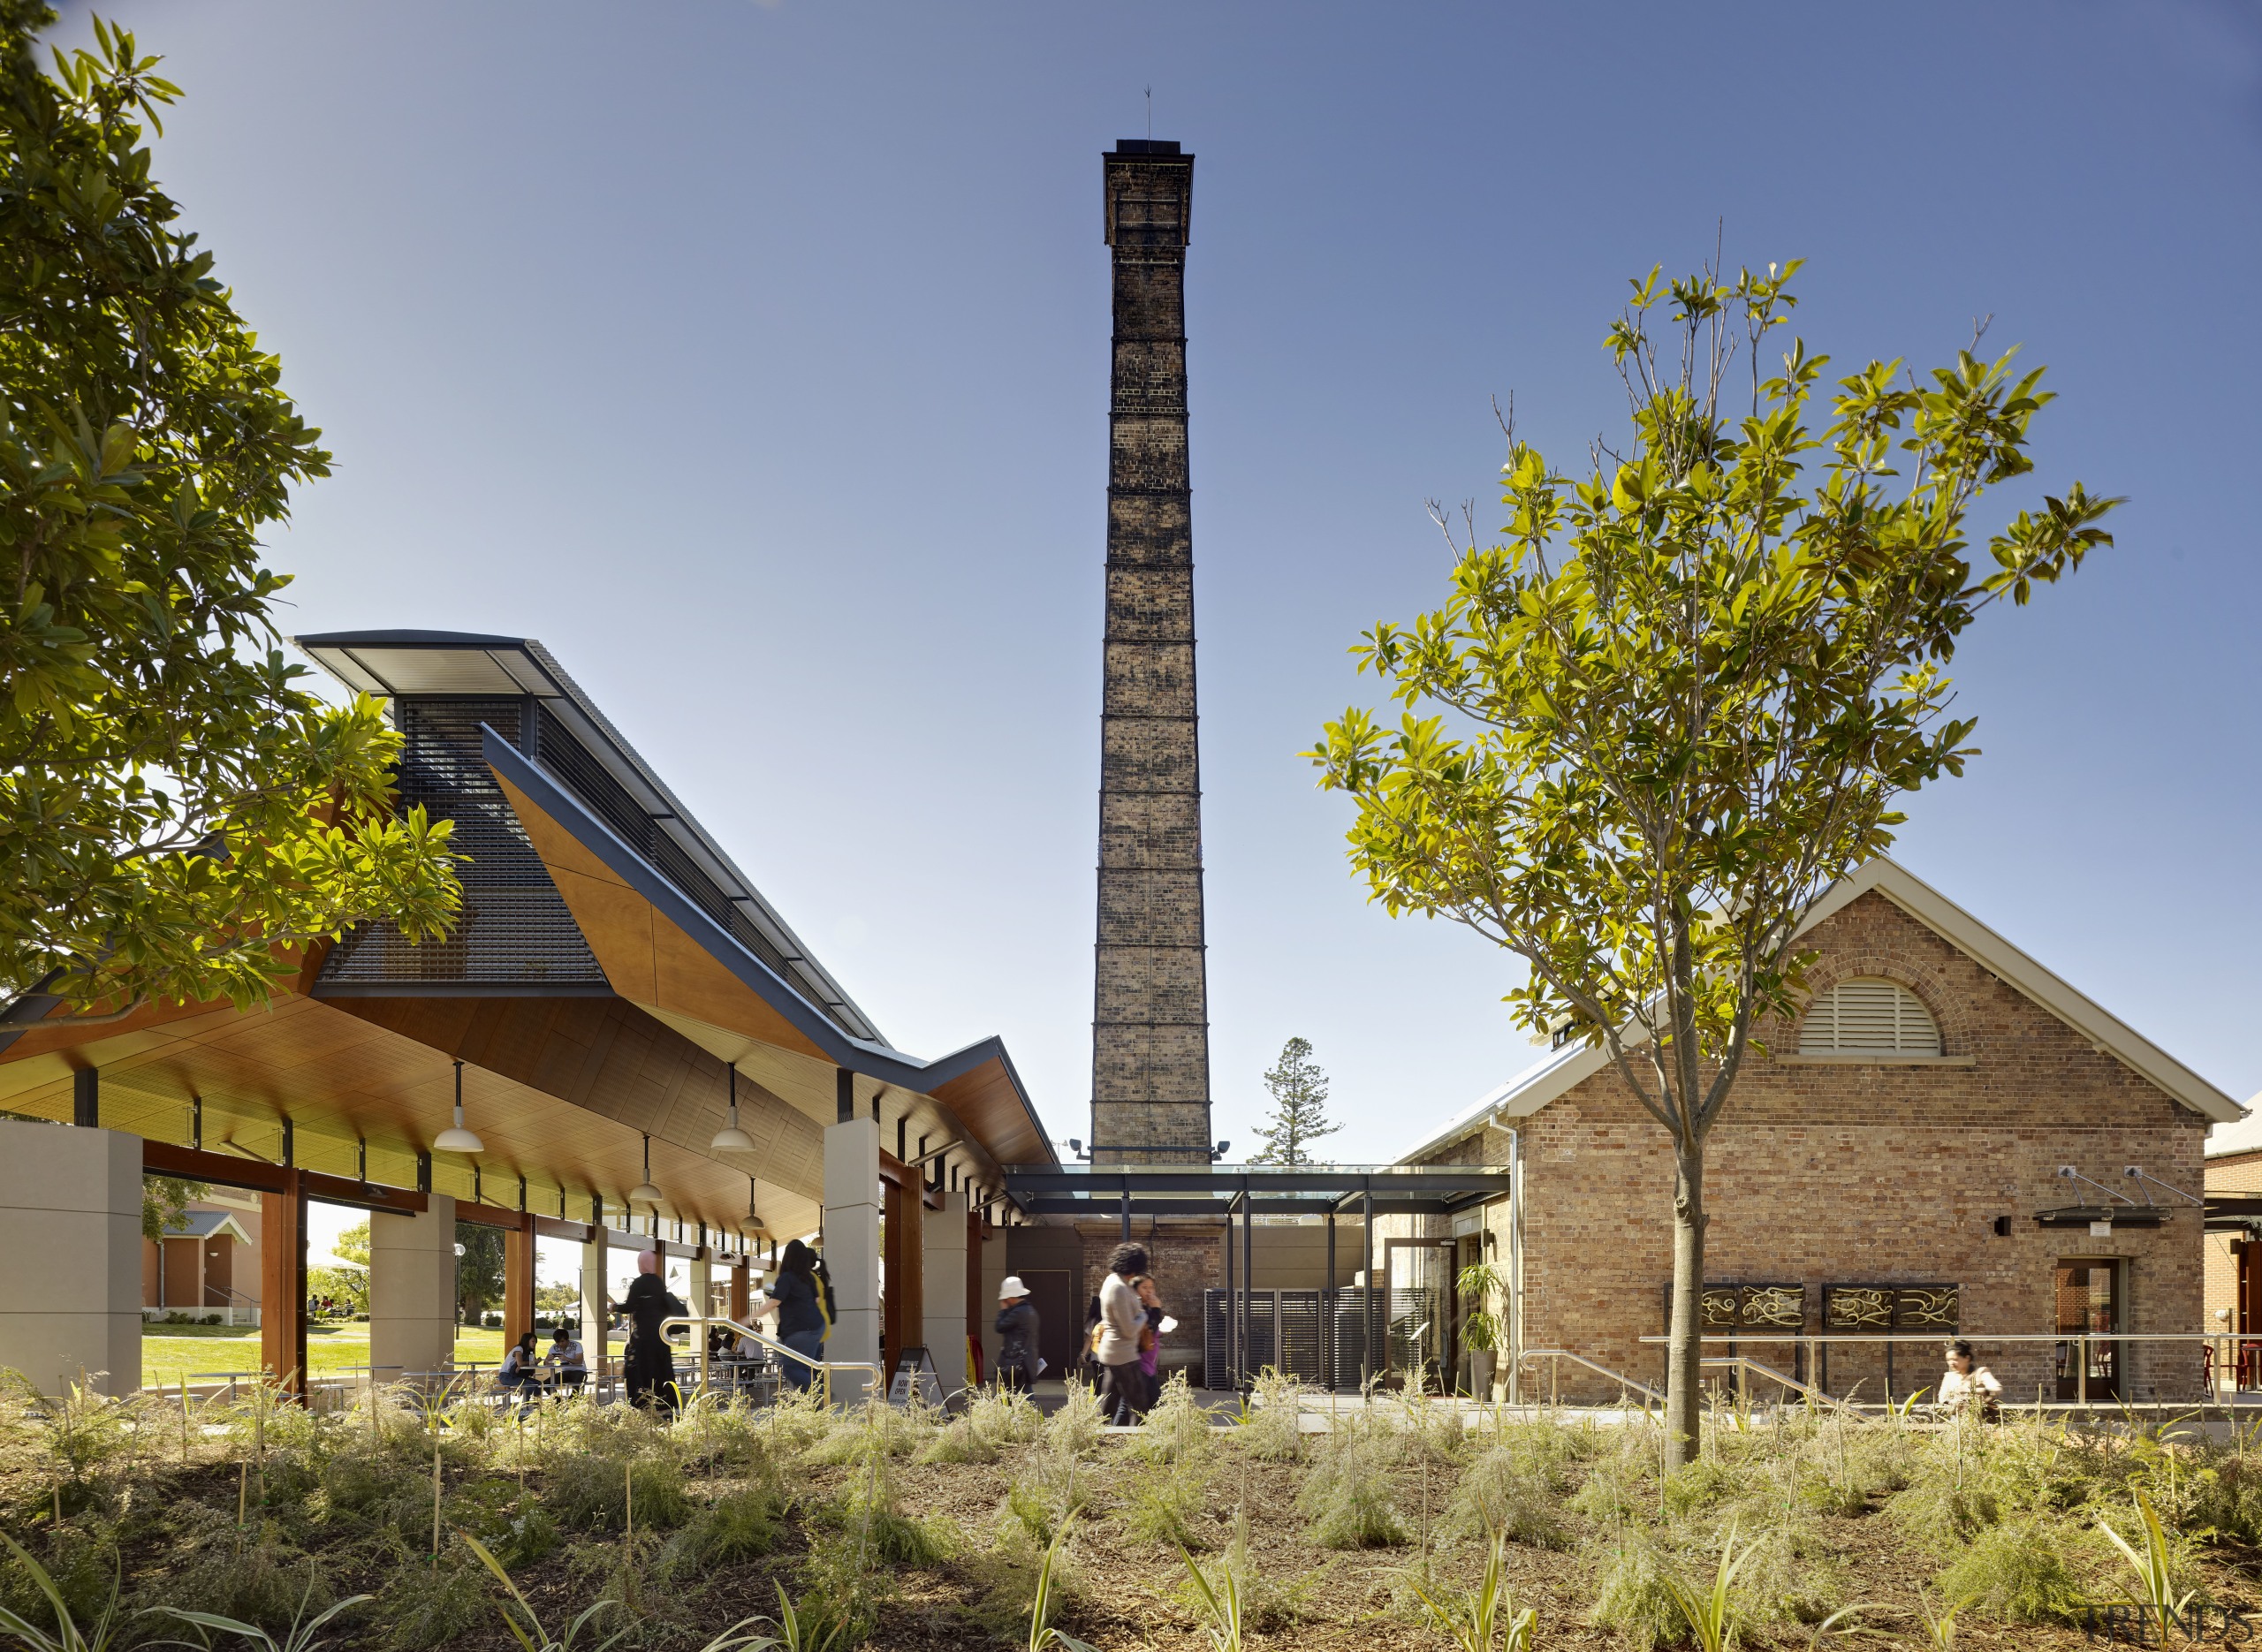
(1560, 1070)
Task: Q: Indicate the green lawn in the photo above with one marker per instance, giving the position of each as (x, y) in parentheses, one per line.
(171, 1354)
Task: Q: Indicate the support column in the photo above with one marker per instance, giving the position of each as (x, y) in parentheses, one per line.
(943, 1291)
(71, 1229)
(894, 1272)
(595, 1319)
(282, 1286)
(701, 1296)
(741, 1292)
(851, 1244)
(412, 1290)
(518, 1280)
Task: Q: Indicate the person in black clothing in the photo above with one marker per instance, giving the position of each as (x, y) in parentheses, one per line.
(1017, 1326)
(649, 1364)
(803, 1310)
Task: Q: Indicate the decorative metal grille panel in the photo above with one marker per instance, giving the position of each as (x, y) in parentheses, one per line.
(1748, 1307)
(1881, 1307)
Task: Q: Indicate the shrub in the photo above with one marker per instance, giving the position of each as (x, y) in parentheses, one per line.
(1634, 1594)
(591, 1492)
(1178, 1428)
(1271, 1431)
(1348, 1493)
(426, 1606)
(1269, 1601)
(1163, 1507)
(2021, 1572)
(1515, 1489)
(1074, 1430)
(740, 1526)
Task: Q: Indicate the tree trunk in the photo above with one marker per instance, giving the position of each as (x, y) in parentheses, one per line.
(1684, 1338)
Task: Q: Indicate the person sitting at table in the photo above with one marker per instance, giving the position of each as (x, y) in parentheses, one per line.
(567, 1359)
(519, 1369)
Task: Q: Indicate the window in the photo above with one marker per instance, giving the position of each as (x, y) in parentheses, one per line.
(1880, 1016)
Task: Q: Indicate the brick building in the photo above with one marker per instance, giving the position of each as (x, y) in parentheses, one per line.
(1891, 1163)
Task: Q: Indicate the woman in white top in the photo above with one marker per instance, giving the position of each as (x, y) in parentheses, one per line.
(1967, 1384)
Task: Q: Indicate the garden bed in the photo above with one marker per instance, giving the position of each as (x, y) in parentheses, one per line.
(918, 1531)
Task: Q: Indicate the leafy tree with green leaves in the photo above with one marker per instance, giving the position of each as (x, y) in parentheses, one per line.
(165, 1203)
(177, 815)
(1299, 1114)
(1682, 696)
(353, 1243)
(479, 1267)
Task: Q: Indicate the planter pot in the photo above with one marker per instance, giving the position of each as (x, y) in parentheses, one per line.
(1480, 1362)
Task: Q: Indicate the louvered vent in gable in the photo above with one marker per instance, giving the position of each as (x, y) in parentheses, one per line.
(1880, 1016)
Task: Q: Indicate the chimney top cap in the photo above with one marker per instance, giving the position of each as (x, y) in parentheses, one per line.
(1146, 145)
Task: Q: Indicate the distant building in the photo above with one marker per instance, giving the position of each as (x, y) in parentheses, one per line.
(206, 1263)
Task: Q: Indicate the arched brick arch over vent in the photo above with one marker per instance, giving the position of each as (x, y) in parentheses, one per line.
(1869, 1013)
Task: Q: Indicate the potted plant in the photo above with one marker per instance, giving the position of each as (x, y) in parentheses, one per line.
(1482, 1333)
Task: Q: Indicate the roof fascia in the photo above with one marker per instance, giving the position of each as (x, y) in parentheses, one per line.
(861, 1055)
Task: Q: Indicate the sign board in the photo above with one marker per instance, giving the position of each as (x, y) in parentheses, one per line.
(914, 1368)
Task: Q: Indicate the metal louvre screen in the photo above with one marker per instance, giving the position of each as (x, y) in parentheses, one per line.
(1288, 1333)
(515, 930)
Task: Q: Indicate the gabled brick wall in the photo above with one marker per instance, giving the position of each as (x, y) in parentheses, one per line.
(1847, 1174)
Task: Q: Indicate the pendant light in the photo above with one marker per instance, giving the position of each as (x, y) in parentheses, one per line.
(753, 1217)
(457, 1139)
(730, 1138)
(644, 1193)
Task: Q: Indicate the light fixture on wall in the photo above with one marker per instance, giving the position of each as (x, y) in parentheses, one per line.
(644, 1193)
(730, 1138)
(457, 1139)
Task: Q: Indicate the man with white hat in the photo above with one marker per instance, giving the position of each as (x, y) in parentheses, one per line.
(1017, 1364)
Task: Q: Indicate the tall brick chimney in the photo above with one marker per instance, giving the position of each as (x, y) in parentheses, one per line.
(1150, 1020)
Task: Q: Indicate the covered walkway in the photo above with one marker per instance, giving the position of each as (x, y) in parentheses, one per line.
(639, 1048)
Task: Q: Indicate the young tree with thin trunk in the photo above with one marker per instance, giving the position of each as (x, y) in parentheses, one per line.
(1681, 696)
(1299, 1116)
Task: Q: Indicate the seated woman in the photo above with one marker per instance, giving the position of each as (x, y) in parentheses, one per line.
(519, 1369)
(1967, 1385)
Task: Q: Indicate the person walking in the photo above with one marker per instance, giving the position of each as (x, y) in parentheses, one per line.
(649, 1363)
(1018, 1363)
(802, 1317)
(1122, 1387)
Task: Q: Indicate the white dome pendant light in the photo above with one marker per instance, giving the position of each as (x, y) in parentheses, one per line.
(457, 1139)
(644, 1193)
(730, 1138)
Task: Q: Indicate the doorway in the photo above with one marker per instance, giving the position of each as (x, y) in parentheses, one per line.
(2088, 1297)
(1060, 1319)
(1418, 1273)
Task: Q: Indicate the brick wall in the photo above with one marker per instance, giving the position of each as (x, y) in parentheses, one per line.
(1842, 1174)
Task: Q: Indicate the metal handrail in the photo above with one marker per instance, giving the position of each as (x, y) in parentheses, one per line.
(1745, 1362)
(1619, 1377)
(825, 1369)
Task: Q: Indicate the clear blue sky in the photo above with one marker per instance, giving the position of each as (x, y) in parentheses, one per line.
(755, 358)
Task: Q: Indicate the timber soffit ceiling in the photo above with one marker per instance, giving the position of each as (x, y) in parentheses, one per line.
(660, 948)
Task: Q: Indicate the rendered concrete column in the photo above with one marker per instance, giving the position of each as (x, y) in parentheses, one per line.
(595, 1314)
(994, 1274)
(412, 1290)
(71, 1229)
(942, 1251)
(701, 1296)
(852, 1245)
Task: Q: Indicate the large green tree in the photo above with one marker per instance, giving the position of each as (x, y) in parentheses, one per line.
(177, 814)
(1679, 697)
(1299, 1114)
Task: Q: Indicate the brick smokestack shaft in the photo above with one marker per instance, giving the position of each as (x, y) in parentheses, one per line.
(1150, 1020)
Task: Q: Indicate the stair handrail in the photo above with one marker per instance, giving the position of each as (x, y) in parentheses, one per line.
(824, 1368)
